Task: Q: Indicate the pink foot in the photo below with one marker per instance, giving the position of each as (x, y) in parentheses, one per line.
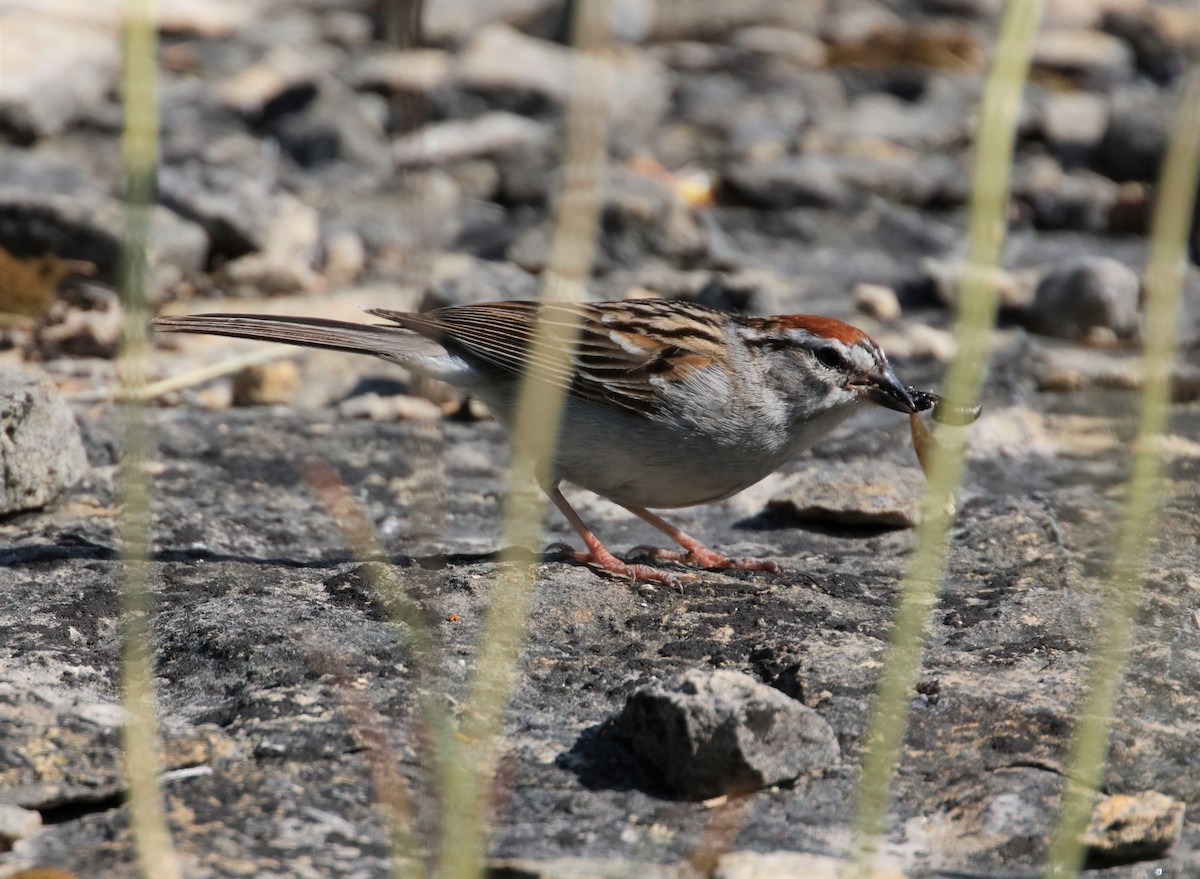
(703, 557)
(600, 557)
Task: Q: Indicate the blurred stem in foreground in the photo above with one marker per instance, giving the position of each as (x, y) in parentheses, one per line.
(977, 305)
(139, 155)
(391, 791)
(1174, 198)
(468, 766)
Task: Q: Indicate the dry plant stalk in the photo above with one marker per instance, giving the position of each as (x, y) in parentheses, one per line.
(467, 778)
(977, 306)
(1176, 194)
(139, 153)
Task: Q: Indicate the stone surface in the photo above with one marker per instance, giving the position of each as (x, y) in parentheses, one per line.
(41, 453)
(255, 585)
(288, 701)
(722, 732)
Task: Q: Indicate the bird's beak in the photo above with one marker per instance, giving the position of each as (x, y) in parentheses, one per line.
(885, 389)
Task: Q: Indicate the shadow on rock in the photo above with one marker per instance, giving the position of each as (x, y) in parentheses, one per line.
(601, 760)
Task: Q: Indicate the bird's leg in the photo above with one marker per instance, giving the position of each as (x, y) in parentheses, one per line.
(597, 553)
(697, 553)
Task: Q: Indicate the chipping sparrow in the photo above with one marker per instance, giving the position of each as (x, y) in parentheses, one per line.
(668, 403)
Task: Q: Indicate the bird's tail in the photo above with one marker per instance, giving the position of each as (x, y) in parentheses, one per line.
(390, 342)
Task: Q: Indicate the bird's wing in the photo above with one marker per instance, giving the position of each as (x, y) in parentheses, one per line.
(624, 351)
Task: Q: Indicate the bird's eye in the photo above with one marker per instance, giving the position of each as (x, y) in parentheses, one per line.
(831, 357)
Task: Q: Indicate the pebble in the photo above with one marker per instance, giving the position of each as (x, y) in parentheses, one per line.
(381, 408)
(229, 187)
(16, 824)
(877, 300)
(252, 90)
(1074, 119)
(1091, 56)
(802, 49)
(395, 71)
(452, 21)
(345, 257)
(792, 865)
(1136, 137)
(41, 450)
(460, 139)
(266, 384)
(711, 733)
(946, 277)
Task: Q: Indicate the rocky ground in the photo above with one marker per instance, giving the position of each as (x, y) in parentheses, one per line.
(818, 156)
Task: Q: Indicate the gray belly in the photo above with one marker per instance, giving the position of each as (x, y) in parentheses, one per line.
(638, 462)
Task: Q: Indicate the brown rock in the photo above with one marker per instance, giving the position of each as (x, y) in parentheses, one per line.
(1133, 827)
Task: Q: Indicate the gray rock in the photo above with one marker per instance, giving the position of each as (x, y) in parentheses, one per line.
(57, 63)
(706, 20)
(1093, 57)
(337, 126)
(1091, 297)
(832, 181)
(41, 450)
(468, 281)
(1163, 37)
(642, 216)
(230, 189)
(455, 20)
(946, 278)
(938, 121)
(499, 60)
(1077, 200)
(713, 733)
(1073, 120)
(851, 494)
(808, 181)
(1133, 143)
(47, 206)
(461, 139)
